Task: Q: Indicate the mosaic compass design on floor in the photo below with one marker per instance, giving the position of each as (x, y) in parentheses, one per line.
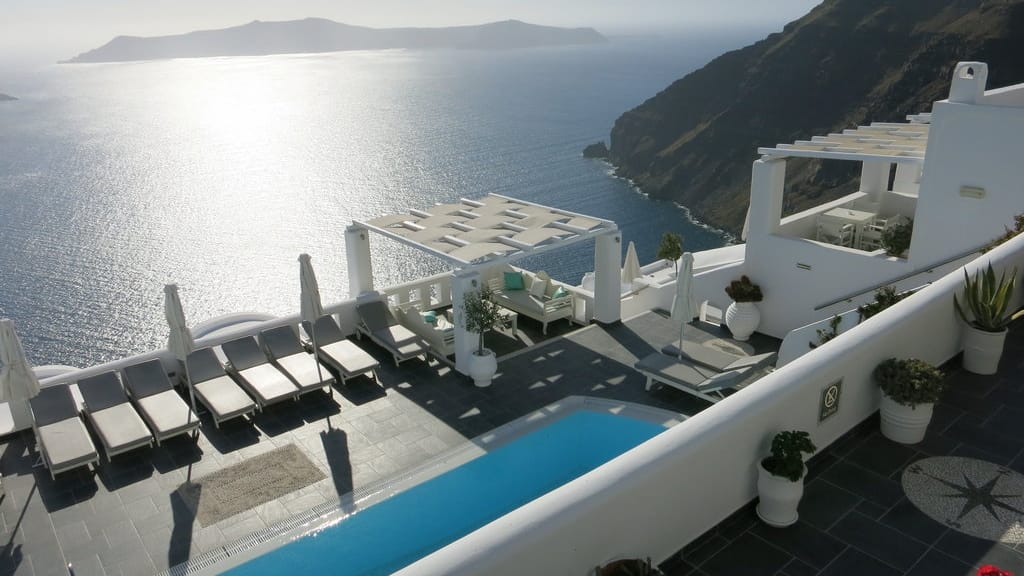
(972, 496)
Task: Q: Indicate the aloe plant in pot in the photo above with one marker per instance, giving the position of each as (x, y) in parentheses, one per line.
(780, 478)
(984, 311)
(910, 388)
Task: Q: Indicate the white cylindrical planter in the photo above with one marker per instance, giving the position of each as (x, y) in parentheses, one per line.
(482, 367)
(742, 318)
(982, 350)
(904, 424)
(778, 498)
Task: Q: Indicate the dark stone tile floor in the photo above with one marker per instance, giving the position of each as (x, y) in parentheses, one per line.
(855, 518)
(125, 518)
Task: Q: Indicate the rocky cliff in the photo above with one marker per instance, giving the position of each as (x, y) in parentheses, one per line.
(845, 63)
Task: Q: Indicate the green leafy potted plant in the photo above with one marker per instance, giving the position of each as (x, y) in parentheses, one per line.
(780, 478)
(628, 567)
(885, 297)
(742, 316)
(896, 239)
(482, 314)
(987, 300)
(671, 249)
(910, 388)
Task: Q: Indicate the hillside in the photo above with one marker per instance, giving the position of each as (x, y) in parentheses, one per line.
(847, 62)
(321, 35)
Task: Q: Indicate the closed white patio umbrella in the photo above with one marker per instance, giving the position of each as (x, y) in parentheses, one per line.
(310, 306)
(631, 266)
(683, 308)
(180, 341)
(18, 383)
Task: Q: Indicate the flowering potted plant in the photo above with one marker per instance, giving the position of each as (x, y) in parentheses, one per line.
(780, 478)
(990, 570)
(742, 316)
(987, 300)
(910, 388)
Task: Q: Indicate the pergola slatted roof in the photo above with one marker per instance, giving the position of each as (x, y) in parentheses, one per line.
(494, 228)
(886, 141)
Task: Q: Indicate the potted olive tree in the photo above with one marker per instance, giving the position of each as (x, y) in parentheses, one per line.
(742, 316)
(780, 477)
(910, 388)
(671, 249)
(482, 314)
(987, 301)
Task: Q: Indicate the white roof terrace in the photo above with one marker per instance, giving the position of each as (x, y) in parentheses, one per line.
(495, 229)
(885, 141)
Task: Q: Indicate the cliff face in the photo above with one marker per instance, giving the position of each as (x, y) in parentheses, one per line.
(845, 63)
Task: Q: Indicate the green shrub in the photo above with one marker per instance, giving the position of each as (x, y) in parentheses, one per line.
(909, 381)
(743, 290)
(671, 248)
(896, 240)
(884, 297)
(787, 458)
(481, 313)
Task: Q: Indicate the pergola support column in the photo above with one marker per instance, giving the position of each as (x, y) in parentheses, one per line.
(607, 275)
(463, 282)
(360, 270)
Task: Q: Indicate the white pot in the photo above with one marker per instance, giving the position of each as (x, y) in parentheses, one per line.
(982, 350)
(482, 367)
(904, 424)
(778, 498)
(742, 318)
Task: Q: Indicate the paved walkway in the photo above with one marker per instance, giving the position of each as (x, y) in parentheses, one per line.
(874, 507)
(126, 518)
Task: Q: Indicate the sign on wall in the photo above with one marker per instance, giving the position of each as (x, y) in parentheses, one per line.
(830, 400)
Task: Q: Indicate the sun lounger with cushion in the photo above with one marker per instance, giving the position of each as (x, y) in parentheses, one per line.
(215, 389)
(251, 368)
(714, 358)
(340, 353)
(63, 440)
(690, 377)
(377, 322)
(160, 405)
(285, 350)
(107, 407)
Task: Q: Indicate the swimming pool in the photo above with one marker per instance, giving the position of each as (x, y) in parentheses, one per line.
(410, 525)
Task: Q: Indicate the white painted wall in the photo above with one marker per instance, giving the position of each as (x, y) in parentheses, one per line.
(670, 490)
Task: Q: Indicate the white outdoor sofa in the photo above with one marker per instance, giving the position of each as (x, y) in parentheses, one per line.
(537, 297)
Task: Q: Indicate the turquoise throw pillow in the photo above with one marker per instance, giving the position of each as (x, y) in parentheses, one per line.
(514, 281)
(561, 292)
(430, 317)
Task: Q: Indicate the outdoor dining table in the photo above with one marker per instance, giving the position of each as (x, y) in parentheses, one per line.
(858, 218)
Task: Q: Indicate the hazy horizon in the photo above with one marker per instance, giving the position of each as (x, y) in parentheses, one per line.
(48, 30)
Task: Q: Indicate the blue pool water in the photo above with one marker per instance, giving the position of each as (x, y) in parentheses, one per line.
(414, 523)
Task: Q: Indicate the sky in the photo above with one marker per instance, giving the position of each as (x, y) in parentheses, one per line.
(57, 29)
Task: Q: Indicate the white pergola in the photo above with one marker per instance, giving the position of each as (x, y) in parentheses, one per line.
(474, 235)
(881, 141)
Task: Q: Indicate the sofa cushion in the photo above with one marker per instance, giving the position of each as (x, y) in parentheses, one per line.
(514, 281)
(560, 293)
(537, 287)
(430, 317)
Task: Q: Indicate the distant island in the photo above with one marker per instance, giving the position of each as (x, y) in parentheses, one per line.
(321, 35)
(6, 98)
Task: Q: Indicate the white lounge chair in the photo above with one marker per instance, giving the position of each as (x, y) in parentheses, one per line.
(166, 414)
(117, 424)
(251, 368)
(63, 441)
(215, 389)
(706, 382)
(285, 349)
(377, 322)
(341, 354)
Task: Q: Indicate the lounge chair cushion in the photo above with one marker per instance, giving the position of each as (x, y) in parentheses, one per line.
(349, 358)
(267, 382)
(686, 374)
(167, 413)
(400, 339)
(713, 358)
(223, 397)
(302, 368)
(120, 428)
(66, 444)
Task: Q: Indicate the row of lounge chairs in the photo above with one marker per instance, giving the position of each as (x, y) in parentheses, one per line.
(699, 370)
(140, 406)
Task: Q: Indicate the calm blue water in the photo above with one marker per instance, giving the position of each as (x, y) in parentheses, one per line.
(217, 173)
(425, 518)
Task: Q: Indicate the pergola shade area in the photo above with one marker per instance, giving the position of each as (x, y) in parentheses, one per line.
(891, 142)
(494, 228)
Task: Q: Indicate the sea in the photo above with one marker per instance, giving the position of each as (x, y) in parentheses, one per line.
(216, 173)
